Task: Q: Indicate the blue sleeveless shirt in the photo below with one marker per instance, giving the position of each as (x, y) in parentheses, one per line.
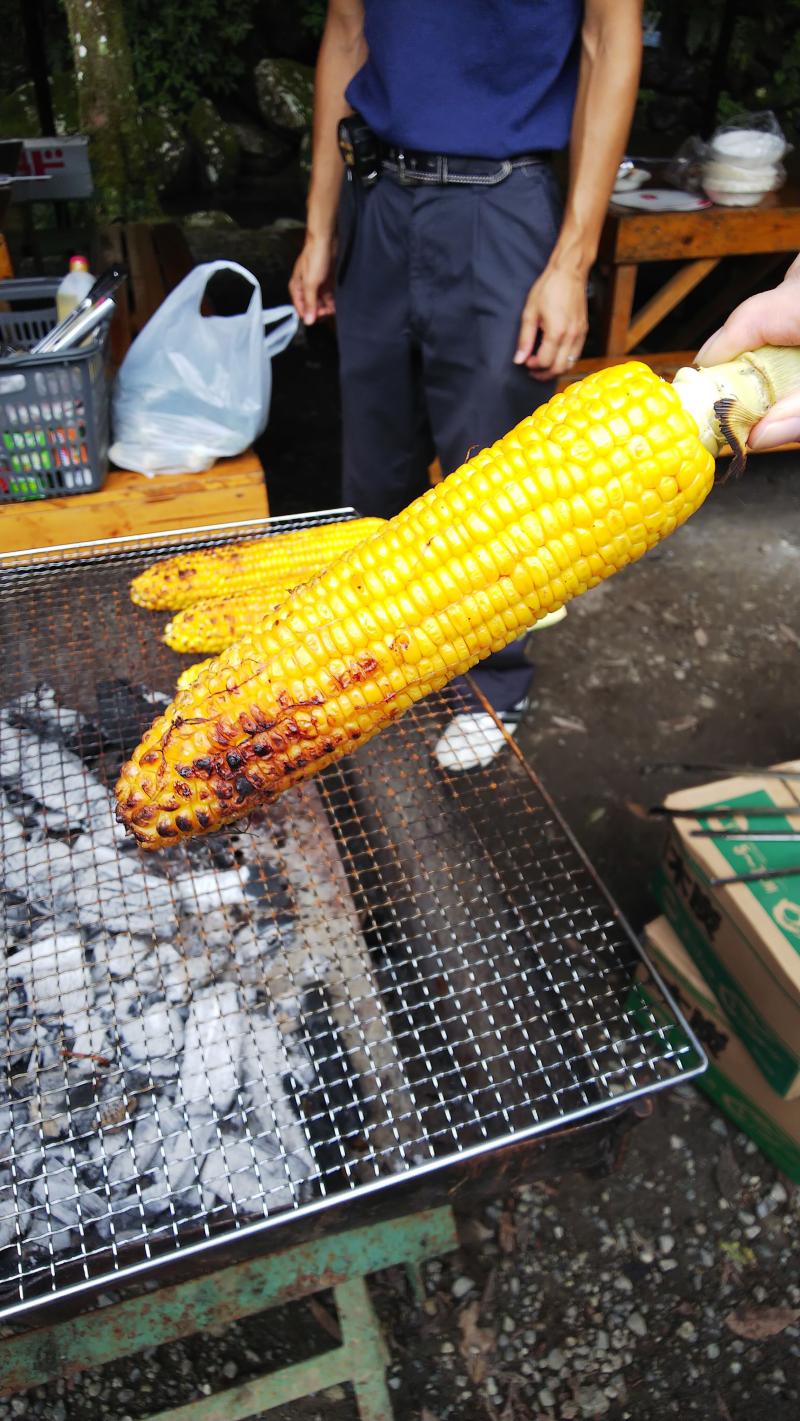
(479, 78)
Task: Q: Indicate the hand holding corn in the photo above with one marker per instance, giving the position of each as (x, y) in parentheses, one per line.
(582, 487)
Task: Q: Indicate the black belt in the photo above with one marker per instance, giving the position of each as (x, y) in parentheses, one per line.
(412, 166)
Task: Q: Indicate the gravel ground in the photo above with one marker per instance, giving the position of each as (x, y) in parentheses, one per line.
(672, 1287)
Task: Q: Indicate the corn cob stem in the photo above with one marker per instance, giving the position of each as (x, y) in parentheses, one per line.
(584, 486)
(728, 400)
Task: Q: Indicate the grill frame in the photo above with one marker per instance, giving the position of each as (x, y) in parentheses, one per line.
(341, 785)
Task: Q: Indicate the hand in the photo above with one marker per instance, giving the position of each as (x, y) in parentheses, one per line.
(556, 310)
(311, 284)
(770, 318)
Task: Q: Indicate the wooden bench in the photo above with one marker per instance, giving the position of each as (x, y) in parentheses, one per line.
(700, 240)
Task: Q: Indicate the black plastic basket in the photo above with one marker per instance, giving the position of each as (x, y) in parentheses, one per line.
(54, 410)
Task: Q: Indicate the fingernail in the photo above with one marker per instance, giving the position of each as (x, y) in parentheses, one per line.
(768, 435)
(519, 356)
(308, 320)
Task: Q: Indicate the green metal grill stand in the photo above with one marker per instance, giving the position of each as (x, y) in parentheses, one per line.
(341, 1262)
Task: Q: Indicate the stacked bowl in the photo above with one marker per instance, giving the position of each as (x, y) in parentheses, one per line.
(743, 164)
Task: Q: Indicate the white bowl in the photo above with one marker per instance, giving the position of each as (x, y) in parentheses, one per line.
(631, 179)
(739, 176)
(748, 146)
(725, 198)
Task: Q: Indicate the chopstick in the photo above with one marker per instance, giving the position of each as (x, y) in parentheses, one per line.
(755, 875)
(746, 811)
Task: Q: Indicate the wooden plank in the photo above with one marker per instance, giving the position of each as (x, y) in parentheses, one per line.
(750, 275)
(130, 503)
(6, 269)
(146, 286)
(173, 255)
(618, 308)
(772, 226)
(667, 298)
(112, 250)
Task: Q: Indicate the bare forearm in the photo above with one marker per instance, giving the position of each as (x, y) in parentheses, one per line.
(607, 88)
(342, 52)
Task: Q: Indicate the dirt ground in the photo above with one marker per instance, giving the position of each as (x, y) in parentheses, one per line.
(672, 1287)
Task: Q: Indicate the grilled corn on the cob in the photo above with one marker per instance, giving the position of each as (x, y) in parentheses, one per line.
(214, 624)
(284, 559)
(581, 488)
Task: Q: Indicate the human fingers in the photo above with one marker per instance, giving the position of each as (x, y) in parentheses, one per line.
(780, 426)
(770, 318)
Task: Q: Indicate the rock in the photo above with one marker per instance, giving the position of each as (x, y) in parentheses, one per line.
(778, 1193)
(271, 151)
(169, 149)
(509, 1324)
(637, 1324)
(555, 1360)
(666, 1243)
(712, 1351)
(462, 1286)
(601, 1343)
(546, 1397)
(592, 1401)
(199, 220)
(230, 1370)
(268, 252)
(216, 145)
(285, 94)
(667, 1264)
(688, 1332)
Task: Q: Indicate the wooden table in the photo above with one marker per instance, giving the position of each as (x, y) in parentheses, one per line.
(130, 503)
(699, 240)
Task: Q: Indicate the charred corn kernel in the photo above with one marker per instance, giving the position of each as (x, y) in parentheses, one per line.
(462, 571)
(284, 559)
(214, 624)
(191, 673)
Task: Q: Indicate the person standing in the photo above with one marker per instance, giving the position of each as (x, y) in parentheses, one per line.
(458, 282)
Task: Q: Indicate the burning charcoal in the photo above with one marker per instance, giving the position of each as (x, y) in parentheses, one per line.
(185, 1149)
(13, 1221)
(152, 1121)
(118, 892)
(118, 956)
(270, 1117)
(56, 976)
(204, 892)
(125, 711)
(154, 1041)
(45, 771)
(39, 710)
(248, 1177)
(14, 917)
(156, 1195)
(212, 1049)
(55, 1195)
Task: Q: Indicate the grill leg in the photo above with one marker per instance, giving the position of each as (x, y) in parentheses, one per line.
(362, 1336)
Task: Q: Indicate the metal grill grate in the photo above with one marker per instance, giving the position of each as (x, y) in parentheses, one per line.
(391, 968)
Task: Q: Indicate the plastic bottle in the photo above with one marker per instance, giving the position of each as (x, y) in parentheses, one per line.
(75, 285)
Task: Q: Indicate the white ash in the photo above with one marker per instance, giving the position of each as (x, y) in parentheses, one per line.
(154, 1009)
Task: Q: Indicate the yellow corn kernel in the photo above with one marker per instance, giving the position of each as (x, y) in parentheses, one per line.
(390, 621)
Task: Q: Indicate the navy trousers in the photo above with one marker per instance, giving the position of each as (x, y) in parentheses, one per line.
(428, 313)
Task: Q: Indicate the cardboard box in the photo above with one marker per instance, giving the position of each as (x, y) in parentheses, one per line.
(745, 938)
(732, 1080)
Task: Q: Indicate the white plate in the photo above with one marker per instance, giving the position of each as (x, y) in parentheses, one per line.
(655, 199)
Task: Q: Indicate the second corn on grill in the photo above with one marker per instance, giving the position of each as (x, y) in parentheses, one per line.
(581, 488)
(281, 560)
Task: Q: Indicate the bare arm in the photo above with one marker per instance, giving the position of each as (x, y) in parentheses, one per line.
(342, 52)
(611, 48)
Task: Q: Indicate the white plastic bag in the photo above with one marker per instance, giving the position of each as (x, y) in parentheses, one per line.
(195, 388)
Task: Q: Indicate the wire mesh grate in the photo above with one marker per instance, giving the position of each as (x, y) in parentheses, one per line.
(391, 968)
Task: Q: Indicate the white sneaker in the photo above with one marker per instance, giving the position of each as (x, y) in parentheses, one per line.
(473, 739)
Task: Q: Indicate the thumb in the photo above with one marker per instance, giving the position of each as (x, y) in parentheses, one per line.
(780, 426)
(771, 318)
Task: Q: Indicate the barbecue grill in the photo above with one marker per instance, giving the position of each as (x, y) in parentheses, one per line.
(393, 972)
